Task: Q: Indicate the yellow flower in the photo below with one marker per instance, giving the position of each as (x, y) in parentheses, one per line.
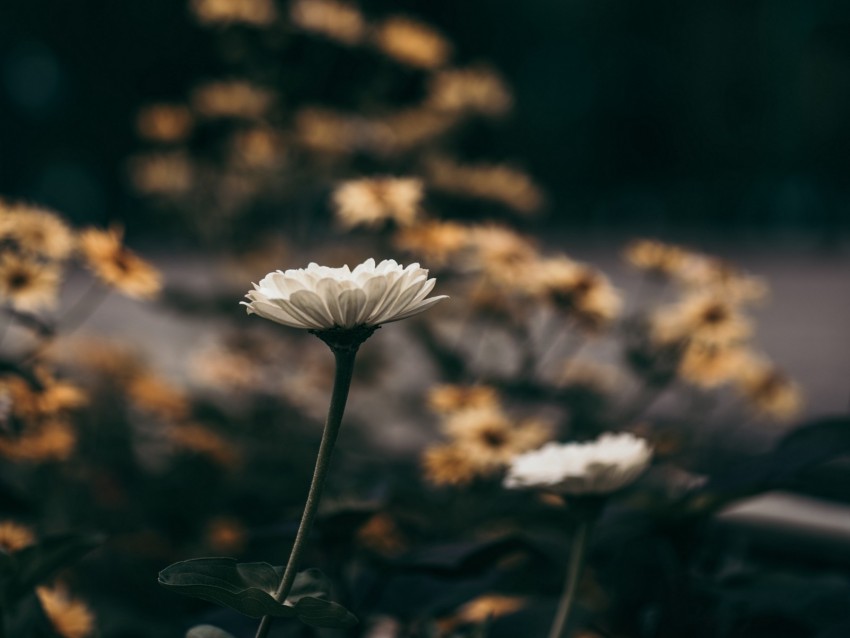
(335, 20)
(14, 536)
(28, 284)
(434, 241)
(702, 317)
(371, 201)
(411, 42)
(117, 266)
(164, 122)
(471, 90)
(71, 618)
(769, 390)
(454, 398)
(35, 230)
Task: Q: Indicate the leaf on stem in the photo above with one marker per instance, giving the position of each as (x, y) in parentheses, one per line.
(249, 589)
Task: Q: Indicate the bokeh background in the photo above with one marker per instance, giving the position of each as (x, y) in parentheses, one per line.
(723, 127)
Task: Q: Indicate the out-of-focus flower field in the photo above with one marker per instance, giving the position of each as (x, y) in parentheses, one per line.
(566, 446)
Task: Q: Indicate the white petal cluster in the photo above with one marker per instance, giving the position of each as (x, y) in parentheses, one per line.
(321, 298)
(596, 467)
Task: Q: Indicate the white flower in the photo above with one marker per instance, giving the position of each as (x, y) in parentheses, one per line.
(595, 467)
(322, 298)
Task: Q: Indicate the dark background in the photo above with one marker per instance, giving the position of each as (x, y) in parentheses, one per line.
(657, 116)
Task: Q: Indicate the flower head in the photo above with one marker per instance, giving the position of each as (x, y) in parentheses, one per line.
(321, 298)
(595, 467)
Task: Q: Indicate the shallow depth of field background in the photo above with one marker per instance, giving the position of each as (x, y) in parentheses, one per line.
(723, 127)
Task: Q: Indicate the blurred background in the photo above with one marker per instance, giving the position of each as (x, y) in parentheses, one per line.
(516, 149)
(659, 118)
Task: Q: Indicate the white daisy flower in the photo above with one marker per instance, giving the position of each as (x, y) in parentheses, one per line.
(321, 298)
(596, 467)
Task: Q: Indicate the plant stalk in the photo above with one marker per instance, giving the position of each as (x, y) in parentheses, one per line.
(577, 552)
(342, 382)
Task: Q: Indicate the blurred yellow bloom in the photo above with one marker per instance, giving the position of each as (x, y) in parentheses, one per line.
(164, 122)
(476, 90)
(51, 440)
(448, 464)
(164, 174)
(226, 535)
(373, 200)
(770, 391)
(436, 242)
(709, 365)
(116, 265)
(159, 397)
(335, 20)
(201, 440)
(14, 536)
(499, 183)
(703, 317)
(71, 618)
(259, 13)
(382, 535)
(35, 231)
(232, 99)
(412, 42)
(28, 284)
(656, 257)
(449, 398)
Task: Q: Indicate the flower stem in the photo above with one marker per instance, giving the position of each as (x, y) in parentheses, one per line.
(577, 551)
(342, 382)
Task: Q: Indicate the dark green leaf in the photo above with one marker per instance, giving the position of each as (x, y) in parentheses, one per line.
(246, 587)
(324, 613)
(207, 631)
(37, 563)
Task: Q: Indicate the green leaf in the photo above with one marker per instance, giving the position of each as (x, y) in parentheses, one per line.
(249, 589)
(323, 613)
(207, 631)
(37, 563)
(246, 587)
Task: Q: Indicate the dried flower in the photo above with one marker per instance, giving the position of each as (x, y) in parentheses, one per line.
(476, 90)
(116, 265)
(448, 464)
(158, 397)
(435, 241)
(258, 13)
(709, 365)
(164, 122)
(28, 284)
(327, 131)
(703, 317)
(703, 273)
(164, 174)
(596, 467)
(335, 20)
(258, 147)
(491, 439)
(769, 390)
(35, 231)
(413, 43)
(578, 289)
(491, 182)
(373, 200)
(70, 618)
(454, 398)
(655, 257)
(321, 298)
(382, 535)
(14, 536)
(232, 99)
(51, 440)
(501, 253)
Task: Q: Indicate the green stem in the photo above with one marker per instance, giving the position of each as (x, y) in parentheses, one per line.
(577, 551)
(342, 382)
